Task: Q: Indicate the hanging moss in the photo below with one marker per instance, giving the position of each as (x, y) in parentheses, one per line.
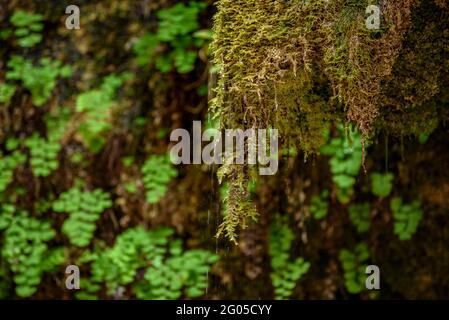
(294, 65)
(238, 206)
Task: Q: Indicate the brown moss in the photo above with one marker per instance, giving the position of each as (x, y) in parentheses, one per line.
(414, 95)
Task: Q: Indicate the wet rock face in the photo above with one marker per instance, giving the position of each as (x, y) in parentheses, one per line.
(302, 67)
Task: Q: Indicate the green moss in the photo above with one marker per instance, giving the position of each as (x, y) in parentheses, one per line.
(296, 65)
(238, 206)
(266, 65)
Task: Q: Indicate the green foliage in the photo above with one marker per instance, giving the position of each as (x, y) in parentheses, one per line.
(6, 92)
(40, 80)
(359, 214)
(345, 162)
(182, 270)
(7, 166)
(57, 123)
(54, 258)
(406, 217)
(5, 33)
(223, 192)
(97, 107)
(84, 209)
(203, 90)
(157, 172)
(44, 154)
(25, 249)
(12, 144)
(145, 47)
(44, 151)
(77, 157)
(130, 187)
(423, 137)
(43, 205)
(319, 205)
(382, 184)
(252, 186)
(28, 28)
(128, 161)
(178, 30)
(237, 206)
(285, 272)
(7, 212)
(354, 267)
(168, 271)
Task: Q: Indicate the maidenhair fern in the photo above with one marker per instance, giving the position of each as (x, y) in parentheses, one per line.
(41, 79)
(28, 28)
(7, 90)
(360, 215)
(125, 256)
(84, 209)
(178, 30)
(345, 162)
(168, 272)
(319, 205)
(8, 164)
(354, 267)
(96, 106)
(43, 154)
(285, 272)
(44, 151)
(25, 249)
(406, 217)
(57, 123)
(183, 273)
(381, 184)
(157, 172)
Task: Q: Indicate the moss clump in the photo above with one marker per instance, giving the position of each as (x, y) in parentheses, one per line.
(267, 54)
(263, 47)
(293, 65)
(414, 96)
